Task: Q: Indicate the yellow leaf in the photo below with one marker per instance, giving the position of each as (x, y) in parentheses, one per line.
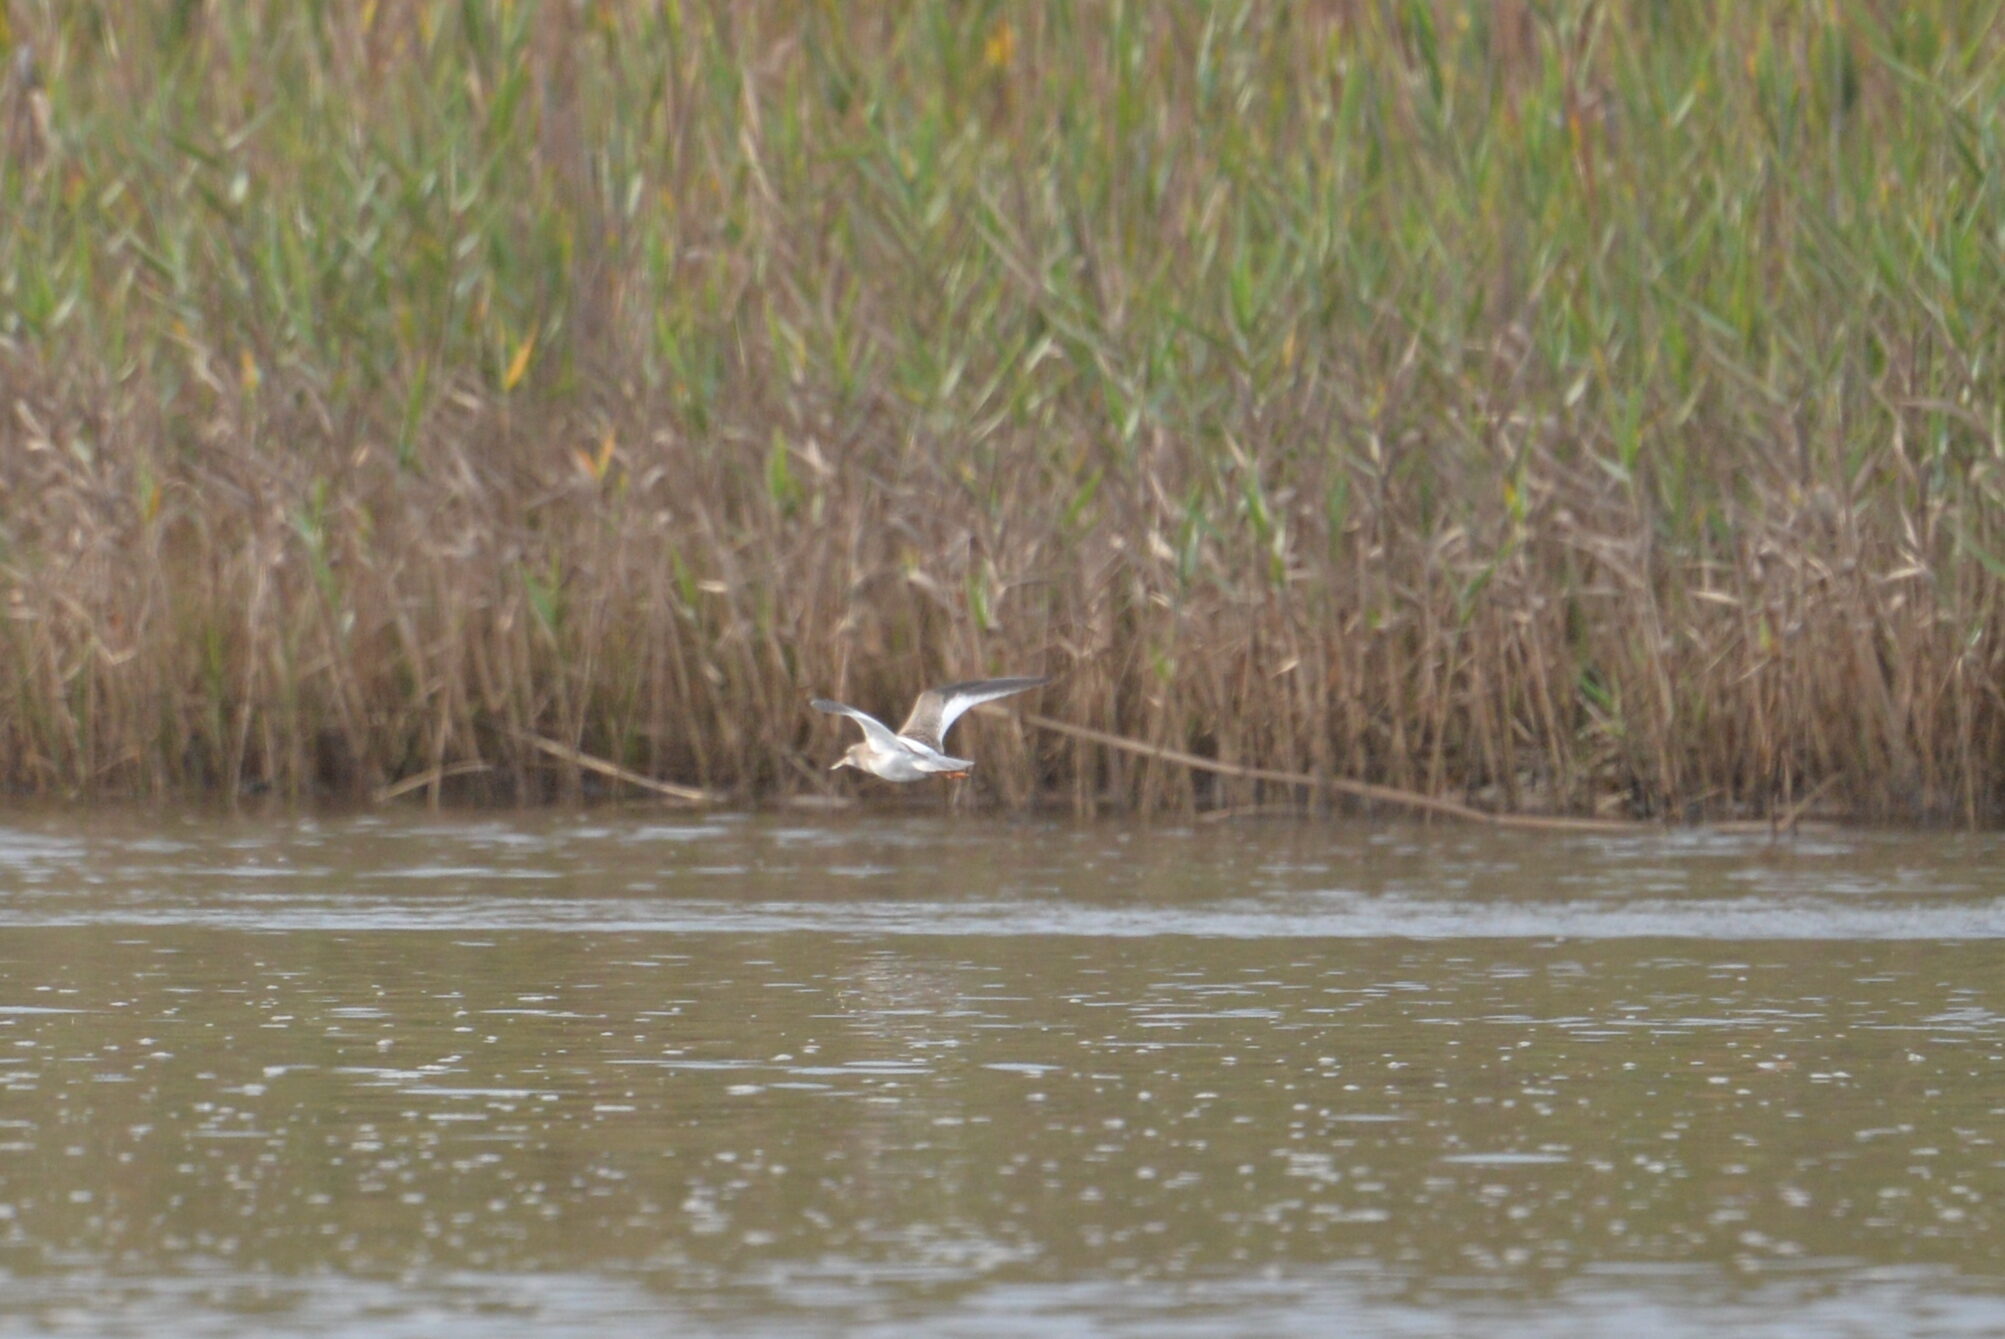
(1001, 48)
(593, 465)
(248, 375)
(519, 364)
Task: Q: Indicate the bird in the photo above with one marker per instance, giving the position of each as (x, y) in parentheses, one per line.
(914, 753)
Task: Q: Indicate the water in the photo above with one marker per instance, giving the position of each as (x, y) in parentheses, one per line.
(615, 1074)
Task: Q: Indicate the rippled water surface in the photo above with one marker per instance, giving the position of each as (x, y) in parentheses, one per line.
(612, 1074)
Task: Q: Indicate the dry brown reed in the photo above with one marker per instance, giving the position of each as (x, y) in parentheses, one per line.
(1572, 409)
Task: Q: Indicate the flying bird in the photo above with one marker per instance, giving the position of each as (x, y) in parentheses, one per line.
(914, 752)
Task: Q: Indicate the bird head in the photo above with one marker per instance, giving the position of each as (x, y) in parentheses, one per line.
(851, 757)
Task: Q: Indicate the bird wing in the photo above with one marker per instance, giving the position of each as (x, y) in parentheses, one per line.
(876, 731)
(938, 708)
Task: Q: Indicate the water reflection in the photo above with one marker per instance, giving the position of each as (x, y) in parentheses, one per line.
(556, 1074)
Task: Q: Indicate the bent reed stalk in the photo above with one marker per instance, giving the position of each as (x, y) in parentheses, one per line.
(1569, 409)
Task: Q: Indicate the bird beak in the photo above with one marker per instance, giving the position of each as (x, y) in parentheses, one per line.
(838, 764)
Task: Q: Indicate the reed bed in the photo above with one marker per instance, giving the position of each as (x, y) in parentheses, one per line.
(1567, 408)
